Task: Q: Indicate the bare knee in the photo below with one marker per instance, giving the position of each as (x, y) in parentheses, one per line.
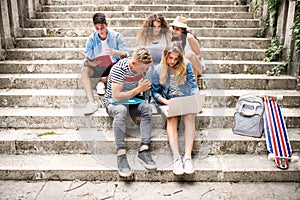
(87, 72)
(189, 118)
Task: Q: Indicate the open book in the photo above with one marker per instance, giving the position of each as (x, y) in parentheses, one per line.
(105, 59)
(183, 105)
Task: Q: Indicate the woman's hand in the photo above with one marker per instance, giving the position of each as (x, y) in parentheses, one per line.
(163, 100)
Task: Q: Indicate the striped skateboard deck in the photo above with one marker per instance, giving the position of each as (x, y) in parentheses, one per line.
(277, 138)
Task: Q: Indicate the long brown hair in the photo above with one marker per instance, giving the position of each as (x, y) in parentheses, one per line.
(145, 34)
(180, 67)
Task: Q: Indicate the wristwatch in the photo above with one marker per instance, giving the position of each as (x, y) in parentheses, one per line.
(84, 64)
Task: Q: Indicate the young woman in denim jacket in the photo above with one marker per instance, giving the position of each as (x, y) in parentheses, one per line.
(173, 78)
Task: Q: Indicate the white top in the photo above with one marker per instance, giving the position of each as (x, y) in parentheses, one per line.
(161, 44)
(187, 47)
(105, 46)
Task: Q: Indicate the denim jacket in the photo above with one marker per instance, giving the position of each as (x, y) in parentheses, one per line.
(114, 41)
(188, 88)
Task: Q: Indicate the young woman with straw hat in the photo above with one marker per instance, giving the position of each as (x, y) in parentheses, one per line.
(189, 42)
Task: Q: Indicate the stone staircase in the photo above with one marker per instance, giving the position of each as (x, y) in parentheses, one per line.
(41, 93)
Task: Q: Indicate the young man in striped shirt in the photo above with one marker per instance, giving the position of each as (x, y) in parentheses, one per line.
(126, 80)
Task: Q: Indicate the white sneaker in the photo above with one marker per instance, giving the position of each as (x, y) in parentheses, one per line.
(188, 166)
(90, 108)
(100, 88)
(178, 166)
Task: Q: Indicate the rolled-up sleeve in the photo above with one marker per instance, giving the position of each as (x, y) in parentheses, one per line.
(121, 44)
(191, 79)
(156, 86)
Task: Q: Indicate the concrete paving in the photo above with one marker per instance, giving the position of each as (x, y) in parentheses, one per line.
(115, 190)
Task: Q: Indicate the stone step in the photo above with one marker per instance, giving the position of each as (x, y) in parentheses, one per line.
(115, 189)
(31, 32)
(218, 2)
(51, 118)
(220, 168)
(132, 2)
(132, 32)
(64, 98)
(74, 66)
(245, 81)
(80, 42)
(207, 81)
(117, 2)
(147, 7)
(130, 22)
(73, 53)
(143, 14)
(93, 141)
(239, 66)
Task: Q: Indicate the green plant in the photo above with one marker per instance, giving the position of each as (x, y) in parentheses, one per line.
(46, 133)
(266, 22)
(256, 7)
(273, 6)
(275, 71)
(274, 50)
(296, 28)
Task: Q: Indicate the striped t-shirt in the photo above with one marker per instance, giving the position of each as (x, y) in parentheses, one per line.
(121, 73)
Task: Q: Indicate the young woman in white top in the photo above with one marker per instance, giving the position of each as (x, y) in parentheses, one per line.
(189, 43)
(154, 34)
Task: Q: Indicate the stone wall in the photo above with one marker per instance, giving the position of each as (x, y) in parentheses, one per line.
(285, 19)
(13, 18)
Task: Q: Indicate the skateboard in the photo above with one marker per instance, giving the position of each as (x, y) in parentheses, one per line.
(277, 138)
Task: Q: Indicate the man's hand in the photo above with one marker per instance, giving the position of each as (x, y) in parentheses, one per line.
(113, 52)
(96, 62)
(144, 84)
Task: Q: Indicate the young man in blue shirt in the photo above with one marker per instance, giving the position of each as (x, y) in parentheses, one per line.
(102, 41)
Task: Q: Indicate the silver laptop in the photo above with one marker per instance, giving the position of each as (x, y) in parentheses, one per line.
(183, 105)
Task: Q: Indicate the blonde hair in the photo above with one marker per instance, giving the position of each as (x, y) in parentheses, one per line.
(180, 66)
(142, 55)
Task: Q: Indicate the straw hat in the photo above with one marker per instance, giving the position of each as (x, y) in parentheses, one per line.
(180, 22)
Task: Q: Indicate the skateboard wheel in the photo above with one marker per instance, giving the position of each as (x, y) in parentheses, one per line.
(271, 156)
(279, 97)
(294, 158)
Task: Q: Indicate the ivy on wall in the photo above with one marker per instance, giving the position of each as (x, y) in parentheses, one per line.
(275, 49)
(296, 28)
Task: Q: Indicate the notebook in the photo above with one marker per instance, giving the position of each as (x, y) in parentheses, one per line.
(183, 105)
(128, 101)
